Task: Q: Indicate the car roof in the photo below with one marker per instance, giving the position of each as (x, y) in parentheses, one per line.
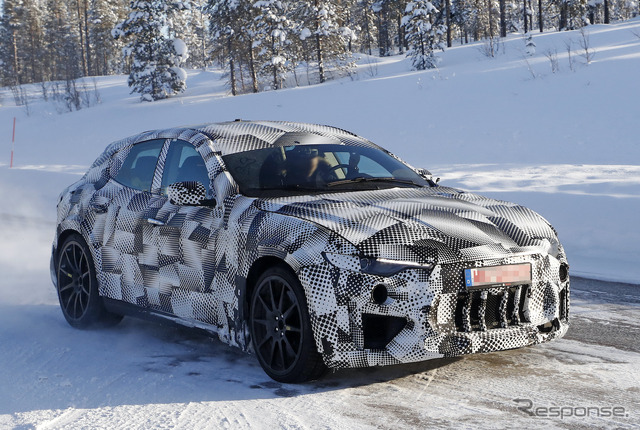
(239, 135)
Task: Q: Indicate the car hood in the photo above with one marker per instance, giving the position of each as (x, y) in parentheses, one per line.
(436, 224)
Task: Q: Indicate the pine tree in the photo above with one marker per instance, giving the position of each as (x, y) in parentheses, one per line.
(421, 34)
(382, 11)
(104, 15)
(223, 20)
(13, 12)
(366, 20)
(155, 58)
(190, 24)
(272, 36)
(62, 54)
(247, 34)
(320, 19)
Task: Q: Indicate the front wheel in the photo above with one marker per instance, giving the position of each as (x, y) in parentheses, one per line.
(78, 295)
(281, 328)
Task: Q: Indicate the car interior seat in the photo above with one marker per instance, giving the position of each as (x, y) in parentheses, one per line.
(272, 170)
(194, 169)
(142, 172)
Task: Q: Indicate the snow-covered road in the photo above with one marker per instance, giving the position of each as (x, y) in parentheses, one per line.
(141, 375)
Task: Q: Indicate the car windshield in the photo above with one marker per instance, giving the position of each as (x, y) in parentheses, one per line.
(318, 168)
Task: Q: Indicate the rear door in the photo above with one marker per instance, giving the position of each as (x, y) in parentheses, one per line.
(129, 259)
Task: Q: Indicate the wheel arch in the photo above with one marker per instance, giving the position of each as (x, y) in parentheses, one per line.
(64, 235)
(257, 268)
(61, 238)
(246, 290)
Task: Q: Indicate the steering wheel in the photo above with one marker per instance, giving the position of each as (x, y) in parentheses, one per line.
(336, 167)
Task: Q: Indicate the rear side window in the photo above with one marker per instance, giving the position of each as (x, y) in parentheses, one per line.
(140, 165)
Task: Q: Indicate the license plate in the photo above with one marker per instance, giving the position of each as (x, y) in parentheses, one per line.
(511, 274)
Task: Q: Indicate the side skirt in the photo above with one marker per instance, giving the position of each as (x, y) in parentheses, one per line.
(129, 309)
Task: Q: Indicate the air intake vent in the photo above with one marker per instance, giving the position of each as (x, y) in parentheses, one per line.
(482, 310)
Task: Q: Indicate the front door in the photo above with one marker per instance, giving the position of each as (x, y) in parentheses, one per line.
(185, 246)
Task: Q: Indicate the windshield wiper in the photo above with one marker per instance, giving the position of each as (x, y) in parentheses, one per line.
(285, 188)
(372, 179)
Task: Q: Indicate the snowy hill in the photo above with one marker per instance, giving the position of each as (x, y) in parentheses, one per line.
(565, 144)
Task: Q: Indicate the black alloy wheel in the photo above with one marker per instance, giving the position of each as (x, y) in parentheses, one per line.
(78, 294)
(281, 329)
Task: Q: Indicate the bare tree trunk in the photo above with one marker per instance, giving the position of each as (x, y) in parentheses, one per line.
(275, 68)
(252, 68)
(319, 50)
(530, 16)
(447, 4)
(82, 47)
(32, 55)
(367, 29)
(503, 18)
(540, 18)
(490, 9)
(86, 38)
(16, 64)
(526, 17)
(232, 67)
(295, 74)
(241, 73)
(320, 59)
(563, 16)
(383, 31)
(607, 19)
(401, 40)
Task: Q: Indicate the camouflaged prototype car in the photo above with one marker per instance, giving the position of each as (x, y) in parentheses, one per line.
(305, 244)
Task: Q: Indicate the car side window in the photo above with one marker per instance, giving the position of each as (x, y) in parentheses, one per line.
(184, 163)
(140, 165)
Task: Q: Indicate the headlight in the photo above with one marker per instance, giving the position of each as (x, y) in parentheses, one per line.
(385, 267)
(372, 266)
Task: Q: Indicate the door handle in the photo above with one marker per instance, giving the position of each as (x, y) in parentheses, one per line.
(154, 221)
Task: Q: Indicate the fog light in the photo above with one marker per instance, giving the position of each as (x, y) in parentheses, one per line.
(564, 272)
(379, 294)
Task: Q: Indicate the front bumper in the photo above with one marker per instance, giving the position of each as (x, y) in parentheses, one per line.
(424, 315)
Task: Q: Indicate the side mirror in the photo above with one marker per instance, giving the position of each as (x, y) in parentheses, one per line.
(191, 193)
(427, 175)
(424, 173)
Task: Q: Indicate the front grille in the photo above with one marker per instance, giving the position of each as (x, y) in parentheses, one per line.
(486, 309)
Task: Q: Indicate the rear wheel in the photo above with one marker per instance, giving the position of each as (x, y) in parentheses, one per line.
(281, 328)
(78, 295)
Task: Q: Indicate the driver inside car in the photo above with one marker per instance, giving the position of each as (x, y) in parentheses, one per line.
(305, 167)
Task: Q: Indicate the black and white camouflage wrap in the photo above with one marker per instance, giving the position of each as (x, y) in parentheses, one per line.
(186, 193)
(194, 264)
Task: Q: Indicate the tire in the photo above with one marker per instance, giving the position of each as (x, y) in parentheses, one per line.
(281, 329)
(78, 294)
